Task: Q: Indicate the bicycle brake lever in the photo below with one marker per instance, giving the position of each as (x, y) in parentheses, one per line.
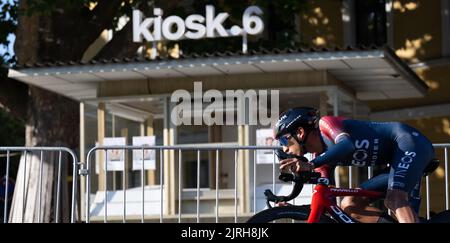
(286, 177)
(272, 197)
(269, 195)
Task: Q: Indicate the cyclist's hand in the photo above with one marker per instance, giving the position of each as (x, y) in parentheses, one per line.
(289, 165)
(295, 165)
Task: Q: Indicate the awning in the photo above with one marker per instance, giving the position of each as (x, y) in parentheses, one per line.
(374, 74)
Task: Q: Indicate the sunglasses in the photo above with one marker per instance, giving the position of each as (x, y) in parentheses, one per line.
(284, 140)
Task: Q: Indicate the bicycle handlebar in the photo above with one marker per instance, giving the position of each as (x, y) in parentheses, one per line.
(298, 179)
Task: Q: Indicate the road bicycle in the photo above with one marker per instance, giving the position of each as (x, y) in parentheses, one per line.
(323, 207)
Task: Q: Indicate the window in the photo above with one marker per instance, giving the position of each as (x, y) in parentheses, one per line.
(190, 169)
(191, 134)
(370, 18)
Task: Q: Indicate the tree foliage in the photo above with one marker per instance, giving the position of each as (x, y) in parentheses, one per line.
(8, 23)
(11, 130)
(280, 19)
(67, 28)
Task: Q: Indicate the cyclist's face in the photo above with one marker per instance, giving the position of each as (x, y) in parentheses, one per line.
(290, 145)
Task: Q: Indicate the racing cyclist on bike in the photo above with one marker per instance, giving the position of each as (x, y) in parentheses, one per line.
(342, 141)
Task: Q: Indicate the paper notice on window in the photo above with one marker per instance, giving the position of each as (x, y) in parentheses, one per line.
(115, 158)
(148, 156)
(264, 138)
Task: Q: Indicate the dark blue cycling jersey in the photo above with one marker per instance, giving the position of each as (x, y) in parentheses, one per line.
(365, 143)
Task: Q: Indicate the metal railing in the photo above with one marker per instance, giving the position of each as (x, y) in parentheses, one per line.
(217, 149)
(242, 155)
(444, 146)
(180, 150)
(25, 152)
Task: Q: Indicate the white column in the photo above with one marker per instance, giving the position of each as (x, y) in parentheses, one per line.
(172, 180)
(100, 136)
(82, 160)
(170, 135)
(166, 142)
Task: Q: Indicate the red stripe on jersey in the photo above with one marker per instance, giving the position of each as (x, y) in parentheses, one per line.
(325, 171)
(332, 126)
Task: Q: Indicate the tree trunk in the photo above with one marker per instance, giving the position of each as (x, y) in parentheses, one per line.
(52, 120)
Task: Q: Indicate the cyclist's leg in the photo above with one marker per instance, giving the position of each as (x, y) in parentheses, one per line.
(414, 197)
(411, 155)
(359, 207)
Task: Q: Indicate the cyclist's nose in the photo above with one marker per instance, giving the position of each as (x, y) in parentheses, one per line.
(285, 149)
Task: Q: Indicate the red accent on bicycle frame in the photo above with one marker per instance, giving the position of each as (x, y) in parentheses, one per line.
(322, 199)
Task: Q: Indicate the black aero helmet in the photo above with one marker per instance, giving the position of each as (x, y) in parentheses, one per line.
(290, 120)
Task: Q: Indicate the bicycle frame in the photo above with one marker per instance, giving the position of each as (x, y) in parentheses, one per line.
(323, 200)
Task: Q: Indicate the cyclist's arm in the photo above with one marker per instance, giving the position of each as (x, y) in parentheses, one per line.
(333, 129)
(341, 150)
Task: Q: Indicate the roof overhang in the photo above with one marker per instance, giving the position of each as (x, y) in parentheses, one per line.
(373, 74)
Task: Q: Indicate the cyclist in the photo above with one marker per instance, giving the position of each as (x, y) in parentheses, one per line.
(342, 141)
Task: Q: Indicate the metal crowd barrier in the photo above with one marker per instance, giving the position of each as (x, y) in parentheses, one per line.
(6, 152)
(161, 150)
(87, 173)
(236, 149)
(444, 146)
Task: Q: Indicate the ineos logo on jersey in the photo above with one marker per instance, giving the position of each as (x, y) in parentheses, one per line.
(403, 166)
(360, 155)
(408, 158)
(363, 156)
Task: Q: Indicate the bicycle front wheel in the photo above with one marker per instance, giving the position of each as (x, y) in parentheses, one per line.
(286, 214)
